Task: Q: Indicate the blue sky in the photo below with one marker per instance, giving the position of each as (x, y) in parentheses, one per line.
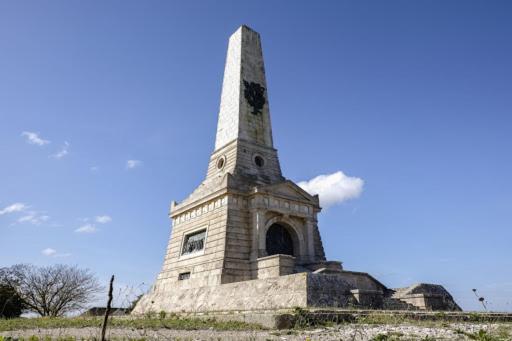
(414, 98)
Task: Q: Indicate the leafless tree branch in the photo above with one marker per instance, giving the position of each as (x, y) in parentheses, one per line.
(51, 290)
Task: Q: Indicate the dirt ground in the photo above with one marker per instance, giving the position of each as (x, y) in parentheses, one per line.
(359, 332)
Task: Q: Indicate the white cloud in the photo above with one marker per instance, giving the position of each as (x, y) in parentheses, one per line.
(16, 207)
(53, 253)
(62, 152)
(130, 164)
(30, 217)
(34, 218)
(103, 219)
(33, 138)
(333, 188)
(87, 228)
(94, 169)
(49, 252)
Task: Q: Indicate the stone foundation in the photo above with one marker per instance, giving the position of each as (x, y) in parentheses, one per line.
(281, 292)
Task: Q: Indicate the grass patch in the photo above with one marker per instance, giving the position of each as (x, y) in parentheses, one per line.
(381, 319)
(483, 335)
(305, 318)
(387, 337)
(172, 322)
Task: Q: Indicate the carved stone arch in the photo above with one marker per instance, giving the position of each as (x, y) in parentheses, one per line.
(299, 242)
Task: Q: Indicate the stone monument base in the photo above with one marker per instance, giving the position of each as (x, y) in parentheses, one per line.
(344, 289)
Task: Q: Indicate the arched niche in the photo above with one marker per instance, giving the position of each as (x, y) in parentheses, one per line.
(285, 228)
(279, 240)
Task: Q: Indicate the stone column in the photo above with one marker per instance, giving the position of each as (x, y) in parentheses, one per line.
(258, 224)
(310, 225)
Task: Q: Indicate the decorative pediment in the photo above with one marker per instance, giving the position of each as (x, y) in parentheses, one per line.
(290, 190)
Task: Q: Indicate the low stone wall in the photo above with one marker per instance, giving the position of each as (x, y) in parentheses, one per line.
(326, 290)
(288, 318)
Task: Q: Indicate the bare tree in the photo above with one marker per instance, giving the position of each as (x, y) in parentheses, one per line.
(51, 290)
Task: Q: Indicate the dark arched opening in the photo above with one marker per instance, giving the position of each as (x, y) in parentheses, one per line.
(279, 241)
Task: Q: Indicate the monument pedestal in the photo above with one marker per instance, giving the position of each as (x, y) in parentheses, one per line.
(303, 290)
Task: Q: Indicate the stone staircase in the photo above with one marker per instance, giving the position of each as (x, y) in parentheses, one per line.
(392, 303)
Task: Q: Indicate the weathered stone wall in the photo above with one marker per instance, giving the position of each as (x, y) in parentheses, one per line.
(295, 290)
(328, 291)
(237, 266)
(205, 267)
(269, 173)
(362, 281)
(271, 293)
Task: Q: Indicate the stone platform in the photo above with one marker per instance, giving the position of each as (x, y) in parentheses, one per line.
(345, 289)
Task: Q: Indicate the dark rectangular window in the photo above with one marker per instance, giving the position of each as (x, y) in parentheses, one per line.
(194, 242)
(184, 275)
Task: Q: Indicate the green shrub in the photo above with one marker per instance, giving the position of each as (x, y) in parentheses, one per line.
(11, 304)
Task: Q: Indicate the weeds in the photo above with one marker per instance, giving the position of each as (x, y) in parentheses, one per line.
(171, 322)
(483, 335)
(302, 318)
(387, 337)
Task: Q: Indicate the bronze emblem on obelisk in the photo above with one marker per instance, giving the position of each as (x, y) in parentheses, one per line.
(255, 96)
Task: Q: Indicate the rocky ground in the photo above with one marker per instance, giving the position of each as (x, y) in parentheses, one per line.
(452, 331)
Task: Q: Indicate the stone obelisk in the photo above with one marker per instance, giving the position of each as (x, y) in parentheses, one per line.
(245, 221)
(246, 237)
(241, 116)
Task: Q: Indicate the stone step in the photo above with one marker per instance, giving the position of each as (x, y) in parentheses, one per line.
(391, 303)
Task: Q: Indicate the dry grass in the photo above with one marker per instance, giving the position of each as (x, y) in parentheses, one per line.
(135, 323)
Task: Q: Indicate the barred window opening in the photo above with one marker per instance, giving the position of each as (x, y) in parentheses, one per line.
(183, 276)
(194, 242)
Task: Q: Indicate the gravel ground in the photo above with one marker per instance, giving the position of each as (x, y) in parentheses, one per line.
(342, 332)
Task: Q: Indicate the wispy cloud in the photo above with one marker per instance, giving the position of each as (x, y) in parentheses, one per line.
(333, 188)
(34, 138)
(34, 218)
(87, 228)
(16, 207)
(130, 164)
(27, 216)
(62, 152)
(94, 169)
(103, 219)
(49, 252)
